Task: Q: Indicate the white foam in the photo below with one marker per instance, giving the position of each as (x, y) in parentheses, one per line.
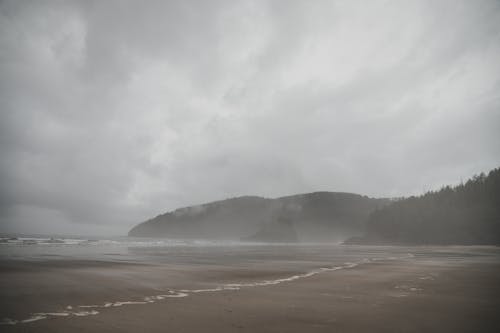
(129, 303)
(426, 278)
(34, 318)
(89, 306)
(54, 314)
(203, 290)
(408, 288)
(85, 313)
(186, 292)
(175, 294)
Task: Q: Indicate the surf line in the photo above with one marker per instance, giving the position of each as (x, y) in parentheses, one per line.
(70, 310)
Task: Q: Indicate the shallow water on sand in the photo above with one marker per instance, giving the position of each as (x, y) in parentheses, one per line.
(110, 273)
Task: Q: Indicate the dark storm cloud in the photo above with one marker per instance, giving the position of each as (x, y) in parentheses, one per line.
(112, 112)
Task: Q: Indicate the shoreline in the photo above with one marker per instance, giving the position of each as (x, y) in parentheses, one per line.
(395, 292)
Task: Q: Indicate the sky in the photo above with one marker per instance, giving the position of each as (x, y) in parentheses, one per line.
(112, 112)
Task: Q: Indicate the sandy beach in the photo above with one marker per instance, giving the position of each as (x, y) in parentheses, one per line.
(400, 293)
(258, 166)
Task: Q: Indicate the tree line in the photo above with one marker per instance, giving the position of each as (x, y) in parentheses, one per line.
(465, 214)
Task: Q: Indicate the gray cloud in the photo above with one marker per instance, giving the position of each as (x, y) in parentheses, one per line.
(112, 112)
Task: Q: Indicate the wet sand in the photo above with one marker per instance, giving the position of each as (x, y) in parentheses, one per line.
(380, 296)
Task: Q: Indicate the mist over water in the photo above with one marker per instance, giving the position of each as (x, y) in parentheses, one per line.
(108, 274)
(251, 166)
(191, 251)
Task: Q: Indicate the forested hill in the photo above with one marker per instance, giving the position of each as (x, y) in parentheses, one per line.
(466, 214)
(319, 216)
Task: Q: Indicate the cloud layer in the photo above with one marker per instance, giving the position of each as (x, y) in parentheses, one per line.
(112, 112)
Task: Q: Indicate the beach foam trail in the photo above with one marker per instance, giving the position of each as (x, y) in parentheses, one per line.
(69, 312)
(118, 242)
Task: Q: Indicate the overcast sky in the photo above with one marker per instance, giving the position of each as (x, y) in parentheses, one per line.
(112, 112)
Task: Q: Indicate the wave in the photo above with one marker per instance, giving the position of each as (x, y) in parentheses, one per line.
(121, 242)
(70, 312)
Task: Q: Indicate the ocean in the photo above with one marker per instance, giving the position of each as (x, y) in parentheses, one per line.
(83, 276)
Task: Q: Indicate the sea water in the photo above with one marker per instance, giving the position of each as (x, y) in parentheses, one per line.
(306, 259)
